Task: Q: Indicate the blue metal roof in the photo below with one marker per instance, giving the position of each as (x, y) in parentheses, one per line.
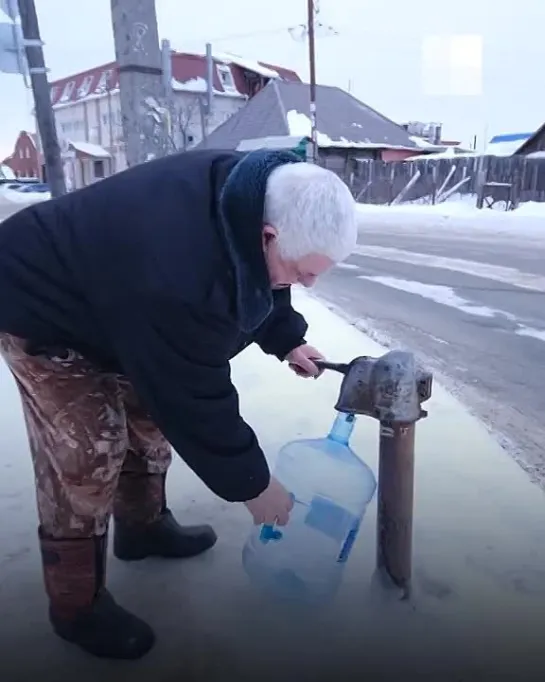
(511, 137)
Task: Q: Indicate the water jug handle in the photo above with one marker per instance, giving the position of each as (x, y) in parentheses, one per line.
(269, 533)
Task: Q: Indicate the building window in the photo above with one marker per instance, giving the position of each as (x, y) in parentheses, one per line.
(84, 88)
(67, 92)
(105, 81)
(53, 92)
(98, 169)
(226, 78)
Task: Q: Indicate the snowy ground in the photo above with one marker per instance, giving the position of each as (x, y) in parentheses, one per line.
(457, 215)
(11, 200)
(479, 607)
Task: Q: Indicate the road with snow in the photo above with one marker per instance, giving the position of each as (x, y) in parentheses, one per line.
(470, 301)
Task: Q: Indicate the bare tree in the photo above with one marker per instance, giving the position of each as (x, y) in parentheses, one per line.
(183, 118)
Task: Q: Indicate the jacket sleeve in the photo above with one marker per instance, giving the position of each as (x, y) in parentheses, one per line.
(284, 329)
(173, 356)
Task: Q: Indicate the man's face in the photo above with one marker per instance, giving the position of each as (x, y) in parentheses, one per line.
(284, 273)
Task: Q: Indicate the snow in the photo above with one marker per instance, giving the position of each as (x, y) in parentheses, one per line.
(90, 149)
(421, 142)
(456, 213)
(437, 293)
(445, 295)
(347, 266)
(477, 555)
(447, 153)
(272, 142)
(6, 173)
(198, 85)
(249, 64)
(538, 334)
(497, 273)
(88, 98)
(300, 126)
(503, 148)
(11, 196)
(192, 85)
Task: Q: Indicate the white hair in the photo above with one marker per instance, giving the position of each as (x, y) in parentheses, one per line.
(313, 211)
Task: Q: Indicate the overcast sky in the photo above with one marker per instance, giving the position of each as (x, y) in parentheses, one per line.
(474, 65)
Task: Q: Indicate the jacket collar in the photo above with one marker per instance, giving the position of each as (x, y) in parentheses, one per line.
(241, 204)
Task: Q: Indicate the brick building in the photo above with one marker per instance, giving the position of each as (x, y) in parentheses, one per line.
(25, 161)
(88, 114)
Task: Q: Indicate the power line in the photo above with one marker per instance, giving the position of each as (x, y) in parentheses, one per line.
(241, 36)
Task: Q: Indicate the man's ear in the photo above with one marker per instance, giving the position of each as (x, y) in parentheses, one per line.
(269, 234)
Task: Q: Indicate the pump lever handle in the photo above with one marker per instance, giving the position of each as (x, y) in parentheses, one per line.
(341, 367)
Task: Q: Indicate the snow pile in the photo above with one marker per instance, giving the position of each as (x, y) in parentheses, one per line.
(458, 213)
(90, 149)
(196, 85)
(300, 126)
(12, 196)
(248, 64)
(6, 173)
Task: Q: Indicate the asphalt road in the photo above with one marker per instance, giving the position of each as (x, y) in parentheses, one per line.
(471, 305)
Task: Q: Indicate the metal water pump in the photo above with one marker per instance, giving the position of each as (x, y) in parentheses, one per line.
(390, 389)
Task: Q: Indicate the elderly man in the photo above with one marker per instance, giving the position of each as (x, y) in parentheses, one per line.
(121, 306)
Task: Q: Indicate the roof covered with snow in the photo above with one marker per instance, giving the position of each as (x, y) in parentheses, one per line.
(232, 77)
(282, 109)
(89, 149)
(506, 145)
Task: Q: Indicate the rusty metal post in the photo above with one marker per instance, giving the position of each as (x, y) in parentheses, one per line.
(395, 496)
(390, 389)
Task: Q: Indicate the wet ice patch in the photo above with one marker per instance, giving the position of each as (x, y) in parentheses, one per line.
(533, 333)
(437, 293)
(348, 266)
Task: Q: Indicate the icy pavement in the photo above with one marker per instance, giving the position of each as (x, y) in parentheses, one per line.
(479, 565)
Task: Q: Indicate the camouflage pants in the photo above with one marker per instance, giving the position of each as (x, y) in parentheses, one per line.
(85, 428)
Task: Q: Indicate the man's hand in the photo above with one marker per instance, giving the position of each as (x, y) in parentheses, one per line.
(273, 506)
(300, 361)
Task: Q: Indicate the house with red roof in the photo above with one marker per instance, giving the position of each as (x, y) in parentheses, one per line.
(25, 161)
(88, 113)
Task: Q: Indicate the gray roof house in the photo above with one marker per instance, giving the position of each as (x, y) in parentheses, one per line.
(347, 128)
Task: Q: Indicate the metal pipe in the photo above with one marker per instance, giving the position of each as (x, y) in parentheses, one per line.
(209, 80)
(395, 499)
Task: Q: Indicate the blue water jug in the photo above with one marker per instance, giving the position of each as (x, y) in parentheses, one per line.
(332, 487)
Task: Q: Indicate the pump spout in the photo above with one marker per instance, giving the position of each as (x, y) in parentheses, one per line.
(390, 388)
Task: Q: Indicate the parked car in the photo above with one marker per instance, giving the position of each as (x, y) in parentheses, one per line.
(34, 187)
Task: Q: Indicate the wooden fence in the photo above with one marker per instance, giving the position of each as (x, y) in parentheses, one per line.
(386, 182)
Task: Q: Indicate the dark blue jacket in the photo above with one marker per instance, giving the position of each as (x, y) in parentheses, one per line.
(158, 273)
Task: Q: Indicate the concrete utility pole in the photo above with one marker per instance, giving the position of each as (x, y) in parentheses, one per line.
(45, 116)
(138, 55)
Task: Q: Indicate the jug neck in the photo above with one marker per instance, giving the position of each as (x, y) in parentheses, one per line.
(342, 428)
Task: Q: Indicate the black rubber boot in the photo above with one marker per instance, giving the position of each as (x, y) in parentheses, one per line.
(81, 610)
(145, 527)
